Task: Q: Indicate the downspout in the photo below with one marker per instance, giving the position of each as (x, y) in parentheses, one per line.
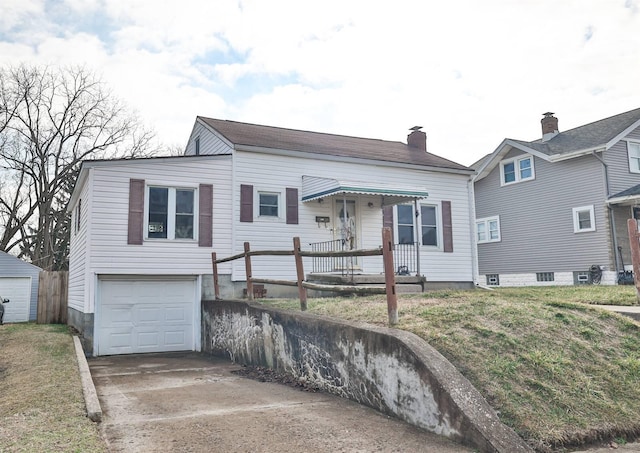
(416, 236)
(475, 266)
(612, 223)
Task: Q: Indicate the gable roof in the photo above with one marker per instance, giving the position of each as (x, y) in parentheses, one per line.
(596, 136)
(14, 262)
(247, 136)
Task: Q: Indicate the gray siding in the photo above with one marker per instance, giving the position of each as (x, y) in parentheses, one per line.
(616, 157)
(536, 219)
(11, 266)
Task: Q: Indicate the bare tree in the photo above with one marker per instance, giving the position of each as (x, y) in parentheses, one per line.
(51, 119)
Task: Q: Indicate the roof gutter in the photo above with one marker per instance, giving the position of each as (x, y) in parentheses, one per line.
(582, 152)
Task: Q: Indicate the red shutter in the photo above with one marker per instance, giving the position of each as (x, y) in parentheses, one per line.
(246, 203)
(387, 219)
(136, 212)
(205, 215)
(292, 206)
(447, 227)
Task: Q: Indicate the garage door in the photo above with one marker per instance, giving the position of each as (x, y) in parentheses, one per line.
(18, 291)
(137, 316)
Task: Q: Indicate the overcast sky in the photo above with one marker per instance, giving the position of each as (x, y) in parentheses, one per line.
(470, 72)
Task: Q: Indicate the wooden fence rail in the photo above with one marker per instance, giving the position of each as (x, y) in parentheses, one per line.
(386, 251)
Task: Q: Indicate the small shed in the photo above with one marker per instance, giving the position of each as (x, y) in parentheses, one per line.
(19, 284)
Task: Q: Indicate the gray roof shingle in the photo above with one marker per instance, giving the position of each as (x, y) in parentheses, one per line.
(589, 136)
(328, 144)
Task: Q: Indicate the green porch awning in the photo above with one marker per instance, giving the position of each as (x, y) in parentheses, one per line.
(314, 188)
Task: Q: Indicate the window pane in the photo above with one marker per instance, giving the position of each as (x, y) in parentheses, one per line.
(429, 228)
(481, 230)
(634, 149)
(428, 215)
(405, 215)
(493, 229)
(184, 226)
(584, 220)
(158, 212)
(269, 204)
(405, 234)
(509, 172)
(525, 168)
(184, 201)
(429, 235)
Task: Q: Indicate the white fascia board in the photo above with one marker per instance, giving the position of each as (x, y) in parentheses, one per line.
(619, 200)
(579, 153)
(619, 137)
(77, 188)
(355, 160)
(500, 151)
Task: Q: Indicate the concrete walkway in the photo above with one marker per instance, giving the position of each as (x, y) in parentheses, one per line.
(191, 402)
(630, 311)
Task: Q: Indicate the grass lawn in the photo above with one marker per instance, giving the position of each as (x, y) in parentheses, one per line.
(42, 407)
(558, 371)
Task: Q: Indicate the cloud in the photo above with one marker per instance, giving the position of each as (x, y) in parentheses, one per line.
(471, 73)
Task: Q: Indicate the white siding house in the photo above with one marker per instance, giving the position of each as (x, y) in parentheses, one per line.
(136, 277)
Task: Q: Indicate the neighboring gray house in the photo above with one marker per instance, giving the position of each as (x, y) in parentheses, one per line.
(19, 284)
(555, 210)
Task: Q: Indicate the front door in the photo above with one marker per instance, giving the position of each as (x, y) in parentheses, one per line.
(346, 231)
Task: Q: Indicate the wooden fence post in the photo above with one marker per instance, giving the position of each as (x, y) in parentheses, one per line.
(216, 286)
(389, 276)
(302, 291)
(632, 227)
(247, 266)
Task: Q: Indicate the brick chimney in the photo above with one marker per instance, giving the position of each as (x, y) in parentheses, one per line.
(417, 138)
(549, 126)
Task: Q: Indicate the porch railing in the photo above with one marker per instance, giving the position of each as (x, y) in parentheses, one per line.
(405, 260)
(331, 264)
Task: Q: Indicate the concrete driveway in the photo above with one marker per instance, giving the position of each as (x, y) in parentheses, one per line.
(189, 402)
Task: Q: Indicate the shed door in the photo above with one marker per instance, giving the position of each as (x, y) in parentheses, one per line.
(18, 291)
(137, 315)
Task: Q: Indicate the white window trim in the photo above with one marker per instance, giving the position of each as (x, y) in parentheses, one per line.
(516, 162)
(171, 214)
(576, 223)
(439, 240)
(418, 224)
(486, 221)
(397, 224)
(256, 207)
(634, 142)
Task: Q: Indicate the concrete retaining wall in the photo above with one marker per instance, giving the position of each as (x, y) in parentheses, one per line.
(390, 370)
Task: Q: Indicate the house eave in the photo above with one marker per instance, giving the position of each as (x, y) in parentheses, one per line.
(628, 199)
(579, 153)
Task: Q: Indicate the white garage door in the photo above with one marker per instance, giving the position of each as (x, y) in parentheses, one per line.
(137, 316)
(18, 291)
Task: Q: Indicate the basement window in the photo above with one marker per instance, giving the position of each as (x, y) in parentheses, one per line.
(545, 276)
